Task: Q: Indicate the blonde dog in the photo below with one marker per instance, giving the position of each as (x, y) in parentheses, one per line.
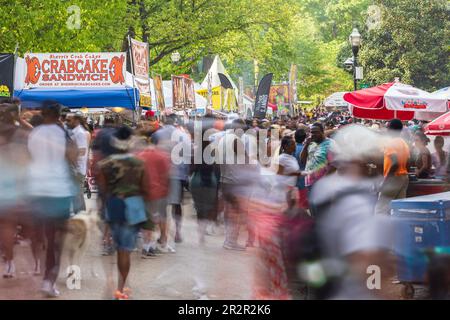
(82, 231)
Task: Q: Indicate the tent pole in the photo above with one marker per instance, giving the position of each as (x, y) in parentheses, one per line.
(132, 72)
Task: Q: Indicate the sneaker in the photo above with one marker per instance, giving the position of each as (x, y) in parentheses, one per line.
(178, 238)
(49, 289)
(108, 251)
(148, 253)
(235, 247)
(166, 249)
(10, 270)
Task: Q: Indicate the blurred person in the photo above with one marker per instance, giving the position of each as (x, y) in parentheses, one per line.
(204, 186)
(350, 238)
(167, 138)
(80, 136)
(316, 156)
(156, 174)
(423, 160)
(395, 168)
(121, 177)
(439, 159)
(101, 149)
(233, 173)
(51, 187)
(300, 137)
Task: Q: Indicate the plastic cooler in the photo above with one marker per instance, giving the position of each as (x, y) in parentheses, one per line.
(420, 223)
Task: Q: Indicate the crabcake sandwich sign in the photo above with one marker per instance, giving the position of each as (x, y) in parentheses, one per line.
(53, 70)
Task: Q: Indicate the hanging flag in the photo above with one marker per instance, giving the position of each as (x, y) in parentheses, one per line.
(140, 57)
(159, 93)
(6, 75)
(293, 86)
(224, 81)
(262, 96)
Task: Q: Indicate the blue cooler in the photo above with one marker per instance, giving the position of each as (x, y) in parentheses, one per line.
(420, 223)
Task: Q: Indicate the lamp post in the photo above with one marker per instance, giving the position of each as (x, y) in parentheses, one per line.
(355, 42)
(175, 57)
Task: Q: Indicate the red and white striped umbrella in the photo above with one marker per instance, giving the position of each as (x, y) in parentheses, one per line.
(439, 126)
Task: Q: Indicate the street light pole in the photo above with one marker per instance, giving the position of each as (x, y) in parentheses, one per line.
(355, 42)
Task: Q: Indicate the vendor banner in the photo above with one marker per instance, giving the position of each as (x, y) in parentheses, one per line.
(75, 70)
(143, 86)
(6, 75)
(262, 96)
(159, 93)
(178, 94)
(189, 92)
(140, 55)
(183, 93)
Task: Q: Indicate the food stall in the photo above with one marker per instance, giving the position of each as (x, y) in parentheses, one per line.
(397, 100)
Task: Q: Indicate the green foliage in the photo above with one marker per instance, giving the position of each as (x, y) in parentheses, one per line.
(412, 43)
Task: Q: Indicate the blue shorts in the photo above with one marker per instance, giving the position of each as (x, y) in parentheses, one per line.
(124, 236)
(51, 208)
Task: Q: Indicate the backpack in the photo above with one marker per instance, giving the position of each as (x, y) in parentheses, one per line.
(71, 151)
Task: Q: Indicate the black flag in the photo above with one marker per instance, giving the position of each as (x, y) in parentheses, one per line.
(262, 96)
(6, 75)
(224, 82)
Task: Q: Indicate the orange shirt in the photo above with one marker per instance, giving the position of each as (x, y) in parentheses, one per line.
(398, 147)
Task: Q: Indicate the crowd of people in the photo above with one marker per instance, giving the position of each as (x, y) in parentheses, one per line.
(312, 192)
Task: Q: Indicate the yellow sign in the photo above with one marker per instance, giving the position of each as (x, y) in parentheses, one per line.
(222, 99)
(145, 100)
(4, 91)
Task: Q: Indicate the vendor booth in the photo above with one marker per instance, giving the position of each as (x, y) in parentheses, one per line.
(75, 80)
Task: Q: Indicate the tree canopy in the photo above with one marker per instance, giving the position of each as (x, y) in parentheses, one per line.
(411, 40)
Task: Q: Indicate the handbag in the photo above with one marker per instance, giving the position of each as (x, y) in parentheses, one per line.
(135, 212)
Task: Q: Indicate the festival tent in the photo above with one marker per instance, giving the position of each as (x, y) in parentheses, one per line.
(76, 97)
(216, 68)
(79, 97)
(336, 100)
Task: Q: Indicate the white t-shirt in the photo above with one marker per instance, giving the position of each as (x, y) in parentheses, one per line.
(290, 165)
(48, 172)
(79, 135)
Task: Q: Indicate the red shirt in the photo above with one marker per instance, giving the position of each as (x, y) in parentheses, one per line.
(157, 168)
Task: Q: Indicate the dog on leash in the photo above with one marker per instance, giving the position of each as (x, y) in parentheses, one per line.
(81, 232)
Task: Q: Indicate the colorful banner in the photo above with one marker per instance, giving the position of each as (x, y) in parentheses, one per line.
(293, 85)
(159, 93)
(279, 95)
(140, 57)
(262, 96)
(75, 70)
(6, 75)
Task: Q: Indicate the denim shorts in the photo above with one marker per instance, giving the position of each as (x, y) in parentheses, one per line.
(124, 236)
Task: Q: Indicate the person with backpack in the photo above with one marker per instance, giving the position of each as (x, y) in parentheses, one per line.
(349, 237)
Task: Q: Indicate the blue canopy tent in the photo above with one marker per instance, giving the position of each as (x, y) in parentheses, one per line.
(80, 97)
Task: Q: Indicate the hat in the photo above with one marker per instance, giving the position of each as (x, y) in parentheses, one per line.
(150, 114)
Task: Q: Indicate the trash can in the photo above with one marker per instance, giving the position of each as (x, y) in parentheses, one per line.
(420, 223)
